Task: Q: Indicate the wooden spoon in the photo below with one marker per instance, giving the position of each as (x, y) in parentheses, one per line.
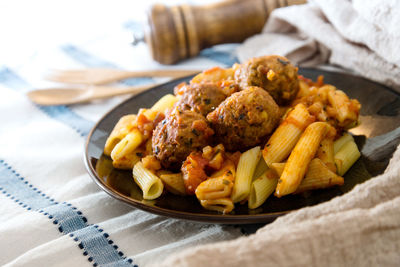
(68, 96)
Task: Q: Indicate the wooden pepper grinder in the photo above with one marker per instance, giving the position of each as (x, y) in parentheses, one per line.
(179, 32)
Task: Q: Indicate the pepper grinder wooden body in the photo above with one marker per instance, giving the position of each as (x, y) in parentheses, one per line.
(179, 32)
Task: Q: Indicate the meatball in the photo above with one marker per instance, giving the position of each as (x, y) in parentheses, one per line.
(272, 73)
(200, 97)
(244, 119)
(180, 133)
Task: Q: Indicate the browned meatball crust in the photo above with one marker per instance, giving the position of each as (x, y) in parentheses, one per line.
(272, 73)
(180, 133)
(244, 119)
(200, 97)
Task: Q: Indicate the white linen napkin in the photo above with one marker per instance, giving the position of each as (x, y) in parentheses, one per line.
(362, 36)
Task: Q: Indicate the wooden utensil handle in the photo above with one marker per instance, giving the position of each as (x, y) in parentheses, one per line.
(178, 32)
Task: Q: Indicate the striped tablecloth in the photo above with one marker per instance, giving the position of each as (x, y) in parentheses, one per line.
(51, 213)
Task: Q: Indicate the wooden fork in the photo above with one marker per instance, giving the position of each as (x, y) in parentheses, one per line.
(70, 95)
(99, 76)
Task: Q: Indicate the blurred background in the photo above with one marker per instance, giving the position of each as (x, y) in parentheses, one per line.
(36, 31)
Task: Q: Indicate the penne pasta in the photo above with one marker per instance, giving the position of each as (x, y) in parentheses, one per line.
(214, 188)
(150, 184)
(339, 143)
(319, 176)
(304, 89)
(223, 205)
(346, 110)
(325, 151)
(244, 174)
(298, 161)
(148, 113)
(126, 147)
(121, 129)
(149, 148)
(262, 188)
(162, 172)
(286, 135)
(128, 161)
(347, 155)
(261, 168)
(173, 182)
(278, 168)
(166, 102)
(339, 100)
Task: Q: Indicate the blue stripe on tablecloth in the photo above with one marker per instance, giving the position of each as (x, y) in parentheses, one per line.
(61, 113)
(226, 57)
(91, 239)
(85, 58)
(89, 60)
(223, 55)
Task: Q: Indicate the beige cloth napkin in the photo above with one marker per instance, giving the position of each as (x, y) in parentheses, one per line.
(362, 227)
(360, 35)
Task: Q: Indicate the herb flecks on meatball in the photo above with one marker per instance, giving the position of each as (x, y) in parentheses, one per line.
(244, 119)
(200, 97)
(273, 73)
(180, 133)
